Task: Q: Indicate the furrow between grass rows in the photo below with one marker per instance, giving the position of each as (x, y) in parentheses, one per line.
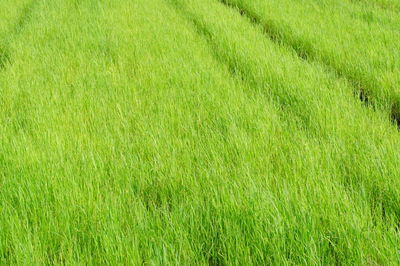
(282, 97)
(237, 70)
(309, 55)
(306, 51)
(24, 18)
(233, 66)
(380, 205)
(174, 132)
(4, 58)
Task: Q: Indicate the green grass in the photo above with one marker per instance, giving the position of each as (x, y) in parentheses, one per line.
(358, 42)
(184, 132)
(390, 5)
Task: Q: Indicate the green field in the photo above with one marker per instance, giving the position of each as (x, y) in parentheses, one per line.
(199, 132)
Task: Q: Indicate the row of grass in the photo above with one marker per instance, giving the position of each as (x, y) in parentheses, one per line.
(365, 53)
(176, 132)
(310, 98)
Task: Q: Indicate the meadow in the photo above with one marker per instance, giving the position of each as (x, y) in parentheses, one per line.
(199, 132)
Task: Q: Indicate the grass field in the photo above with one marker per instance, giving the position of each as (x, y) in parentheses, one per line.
(199, 132)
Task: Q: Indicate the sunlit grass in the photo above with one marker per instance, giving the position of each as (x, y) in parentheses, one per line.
(180, 132)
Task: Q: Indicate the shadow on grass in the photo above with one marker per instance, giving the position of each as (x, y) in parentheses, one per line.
(4, 58)
(25, 17)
